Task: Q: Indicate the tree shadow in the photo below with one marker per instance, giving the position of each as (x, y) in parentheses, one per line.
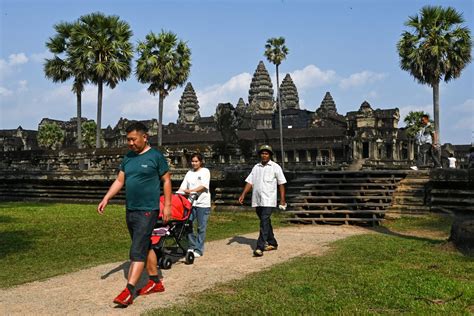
(4, 219)
(387, 231)
(13, 204)
(243, 241)
(16, 241)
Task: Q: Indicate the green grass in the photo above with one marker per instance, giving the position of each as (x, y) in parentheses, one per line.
(385, 273)
(38, 241)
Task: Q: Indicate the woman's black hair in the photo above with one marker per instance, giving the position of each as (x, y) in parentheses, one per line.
(198, 156)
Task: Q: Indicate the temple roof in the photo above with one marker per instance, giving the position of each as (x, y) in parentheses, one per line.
(188, 107)
(261, 88)
(289, 94)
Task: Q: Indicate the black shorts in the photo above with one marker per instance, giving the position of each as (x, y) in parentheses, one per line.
(140, 226)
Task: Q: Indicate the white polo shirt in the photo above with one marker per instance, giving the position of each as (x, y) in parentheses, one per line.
(192, 180)
(264, 180)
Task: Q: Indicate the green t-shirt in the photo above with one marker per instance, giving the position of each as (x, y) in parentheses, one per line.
(142, 179)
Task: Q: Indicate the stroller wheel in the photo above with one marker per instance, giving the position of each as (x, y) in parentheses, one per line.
(160, 262)
(166, 263)
(189, 259)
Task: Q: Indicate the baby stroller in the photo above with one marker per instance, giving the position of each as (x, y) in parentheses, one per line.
(169, 240)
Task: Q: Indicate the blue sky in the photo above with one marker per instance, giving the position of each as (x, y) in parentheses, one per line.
(345, 47)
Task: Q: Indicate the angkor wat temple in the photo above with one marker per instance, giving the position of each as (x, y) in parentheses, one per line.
(323, 137)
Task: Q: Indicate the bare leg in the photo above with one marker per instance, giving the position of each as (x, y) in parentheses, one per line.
(152, 263)
(135, 271)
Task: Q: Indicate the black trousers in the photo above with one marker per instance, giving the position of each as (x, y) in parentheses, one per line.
(424, 151)
(266, 230)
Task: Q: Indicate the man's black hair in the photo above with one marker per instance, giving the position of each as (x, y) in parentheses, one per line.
(137, 126)
(426, 115)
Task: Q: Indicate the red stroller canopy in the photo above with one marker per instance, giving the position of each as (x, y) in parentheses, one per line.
(180, 207)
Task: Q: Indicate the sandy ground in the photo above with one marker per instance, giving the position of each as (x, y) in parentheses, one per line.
(91, 291)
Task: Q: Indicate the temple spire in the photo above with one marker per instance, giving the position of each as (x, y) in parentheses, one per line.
(261, 91)
(289, 94)
(188, 112)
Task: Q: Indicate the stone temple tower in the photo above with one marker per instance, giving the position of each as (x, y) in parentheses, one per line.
(289, 94)
(328, 106)
(188, 107)
(261, 91)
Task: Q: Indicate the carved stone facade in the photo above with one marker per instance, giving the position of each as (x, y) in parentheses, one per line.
(188, 113)
(289, 94)
(233, 134)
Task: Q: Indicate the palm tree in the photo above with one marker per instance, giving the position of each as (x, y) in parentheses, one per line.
(437, 49)
(62, 67)
(50, 135)
(276, 51)
(103, 42)
(413, 122)
(164, 62)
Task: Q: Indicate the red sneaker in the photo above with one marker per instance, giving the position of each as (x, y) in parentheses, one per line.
(125, 298)
(151, 287)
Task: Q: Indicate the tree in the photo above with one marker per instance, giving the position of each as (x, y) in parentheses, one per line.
(438, 48)
(104, 43)
(89, 130)
(63, 67)
(164, 62)
(50, 135)
(413, 122)
(276, 51)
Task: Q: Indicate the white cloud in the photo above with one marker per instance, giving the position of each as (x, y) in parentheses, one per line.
(311, 76)
(467, 106)
(4, 92)
(360, 79)
(17, 59)
(40, 57)
(371, 95)
(22, 86)
(229, 91)
(404, 110)
(6, 67)
(144, 106)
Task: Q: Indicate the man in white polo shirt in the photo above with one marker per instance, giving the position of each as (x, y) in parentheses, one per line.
(264, 179)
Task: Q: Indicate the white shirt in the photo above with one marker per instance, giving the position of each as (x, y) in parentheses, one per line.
(264, 180)
(452, 162)
(194, 179)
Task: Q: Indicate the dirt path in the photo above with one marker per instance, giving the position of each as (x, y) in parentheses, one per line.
(91, 291)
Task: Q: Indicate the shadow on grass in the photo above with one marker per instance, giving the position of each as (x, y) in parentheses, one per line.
(4, 219)
(387, 231)
(14, 204)
(243, 241)
(16, 241)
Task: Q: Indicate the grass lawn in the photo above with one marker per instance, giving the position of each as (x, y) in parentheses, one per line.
(392, 272)
(39, 240)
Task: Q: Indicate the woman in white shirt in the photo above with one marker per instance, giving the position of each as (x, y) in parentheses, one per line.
(197, 180)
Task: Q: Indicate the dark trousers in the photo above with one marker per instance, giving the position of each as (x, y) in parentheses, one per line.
(424, 151)
(266, 230)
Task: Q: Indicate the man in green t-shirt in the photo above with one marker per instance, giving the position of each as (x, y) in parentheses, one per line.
(141, 171)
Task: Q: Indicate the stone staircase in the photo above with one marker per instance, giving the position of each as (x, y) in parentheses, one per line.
(452, 192)
(343, 196)
(57, 191)
(410, 196)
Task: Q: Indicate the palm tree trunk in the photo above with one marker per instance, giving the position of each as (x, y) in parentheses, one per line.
(160, 119)
(280, 120)
(436, 110)
(99, 114)
(79, 120)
